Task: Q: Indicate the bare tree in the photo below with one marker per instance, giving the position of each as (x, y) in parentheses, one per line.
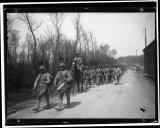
(22, 53)
(13, 43)
(57, 21)
(113, 53)
(83, 33)
(86, 41)
(32, 26)
(28, 41)
(93, 42)
(77, 26)
(105, 49)
(10, 21)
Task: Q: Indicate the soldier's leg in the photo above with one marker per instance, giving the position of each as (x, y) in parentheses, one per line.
(86, 83)
(82, 83)
(47, 98)
(78, 84)
(109, 80)
(89, 82)
(39, 101)
(106, 81)
(74, 87)
(103, 79)
(68, 91)
(97, 80)
(100, 82)
(118, 79)
(60, 100)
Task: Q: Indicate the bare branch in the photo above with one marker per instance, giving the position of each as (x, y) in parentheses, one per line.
(36, 27)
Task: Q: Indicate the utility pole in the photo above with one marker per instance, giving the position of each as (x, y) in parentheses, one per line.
(145, 37)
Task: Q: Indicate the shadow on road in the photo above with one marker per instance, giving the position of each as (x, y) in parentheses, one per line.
(73, 104)
(118, 84)
(45, 107)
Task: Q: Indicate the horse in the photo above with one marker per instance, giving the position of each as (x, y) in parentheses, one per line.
(77, 75)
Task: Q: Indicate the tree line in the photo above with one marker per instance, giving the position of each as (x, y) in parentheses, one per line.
(24, 58)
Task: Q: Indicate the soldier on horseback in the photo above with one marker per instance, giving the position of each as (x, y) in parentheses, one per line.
(78, 67)
(78, 60)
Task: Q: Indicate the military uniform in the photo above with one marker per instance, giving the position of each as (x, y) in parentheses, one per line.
(98, 76)
(118, 74)
(63, 82)
(41, 86)
(101, 76)
(41, 83)
(110, 75)
(63, 76)
(79, 62)
(106, 75)
(86, 77)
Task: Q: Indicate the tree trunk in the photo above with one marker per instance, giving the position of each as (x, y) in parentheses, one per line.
(35, 42)
(28, 52)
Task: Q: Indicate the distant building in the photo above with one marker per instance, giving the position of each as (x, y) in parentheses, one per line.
(150, 60)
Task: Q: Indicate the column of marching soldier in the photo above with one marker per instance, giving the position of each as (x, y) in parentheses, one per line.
(99, 75)
(63, 81)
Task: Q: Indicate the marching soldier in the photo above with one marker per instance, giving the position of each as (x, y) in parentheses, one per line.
(110, 75)
(63, 82)
(114, 74)
(102, 75)
(89, 80)
(41, 86)
(92, 75)
(106, 74)
(118, 74)
(98, 76)
(86, 77)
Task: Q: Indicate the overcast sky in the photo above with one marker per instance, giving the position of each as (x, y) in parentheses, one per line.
(122, 31)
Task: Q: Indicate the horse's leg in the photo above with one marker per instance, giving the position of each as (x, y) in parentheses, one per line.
(74, 87)
(78, 85)
(82, 83)
(72, 90)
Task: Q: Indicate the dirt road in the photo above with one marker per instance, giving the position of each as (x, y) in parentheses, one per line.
(127, 100)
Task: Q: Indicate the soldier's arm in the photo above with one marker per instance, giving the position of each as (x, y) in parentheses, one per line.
(68, 75)
(48, 80)
(56, 79)
(36, 82)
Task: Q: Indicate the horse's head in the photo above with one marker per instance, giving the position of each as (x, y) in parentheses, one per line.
(74, 65)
